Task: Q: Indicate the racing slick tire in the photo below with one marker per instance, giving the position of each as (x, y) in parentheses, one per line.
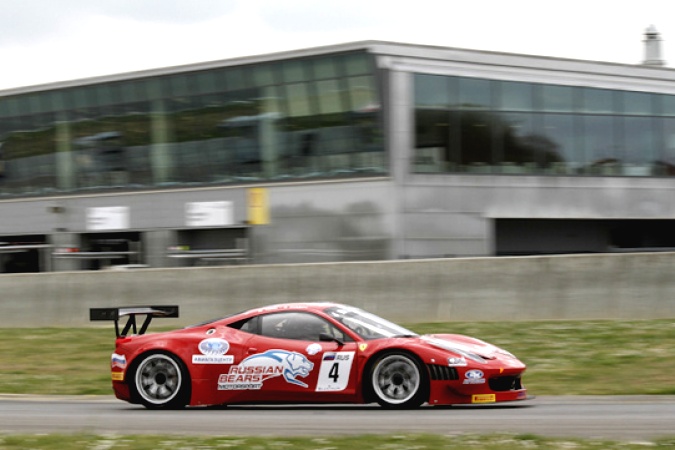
(160, 381)
(398, 380)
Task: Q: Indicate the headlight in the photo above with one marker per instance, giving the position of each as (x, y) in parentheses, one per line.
(457, 361)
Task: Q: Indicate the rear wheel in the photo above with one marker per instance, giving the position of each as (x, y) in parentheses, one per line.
(398, 380)
(161, 380)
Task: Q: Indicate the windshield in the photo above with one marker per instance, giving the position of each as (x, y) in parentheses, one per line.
(367, 325)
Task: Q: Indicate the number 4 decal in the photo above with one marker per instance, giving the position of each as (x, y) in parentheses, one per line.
(334, 373)
(335, 370)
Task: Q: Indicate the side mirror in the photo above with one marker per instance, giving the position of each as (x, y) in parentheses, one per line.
(325, 337)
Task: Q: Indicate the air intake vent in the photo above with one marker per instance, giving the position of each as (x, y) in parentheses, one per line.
(444, 373)
(501, 384)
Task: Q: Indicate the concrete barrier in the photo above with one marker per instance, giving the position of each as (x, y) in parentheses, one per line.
(608, 286)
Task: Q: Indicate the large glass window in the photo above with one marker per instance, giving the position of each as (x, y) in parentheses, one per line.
(666, 104)
(506, 127)
(27, 156)
(516, 96)
(665, 165)
(640, 151)
(557, 98)
(559, 131)
(437, 126)
(598, 101)
(520, 147)
(475, 93)
(638, 103)
(300, 118)
(477, 140)
(297, 100)
(432, 91)
(329, 97)
(107, 146)
(602, 154)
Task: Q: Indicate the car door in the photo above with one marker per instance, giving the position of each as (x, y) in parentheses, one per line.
(290, 358)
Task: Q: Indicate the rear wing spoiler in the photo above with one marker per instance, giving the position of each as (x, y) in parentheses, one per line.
(115, 314)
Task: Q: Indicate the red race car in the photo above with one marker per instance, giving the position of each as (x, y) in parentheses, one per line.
(303, 353)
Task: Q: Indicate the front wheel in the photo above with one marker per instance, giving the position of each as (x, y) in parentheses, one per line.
(161, 380)
(398, 380)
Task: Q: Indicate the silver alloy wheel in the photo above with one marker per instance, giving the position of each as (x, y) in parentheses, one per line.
(158, 379)
(396, 379)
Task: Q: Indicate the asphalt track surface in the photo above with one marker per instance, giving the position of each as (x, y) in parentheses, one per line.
(616, 418)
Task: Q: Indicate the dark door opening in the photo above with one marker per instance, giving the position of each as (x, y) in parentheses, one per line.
(561, 236)
(22, 254)
(106, 250)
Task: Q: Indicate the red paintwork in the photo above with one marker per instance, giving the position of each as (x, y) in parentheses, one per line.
(205, 377)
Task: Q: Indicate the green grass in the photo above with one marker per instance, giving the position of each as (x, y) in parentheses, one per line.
(400, 442)
(585, 358)
(55, 361)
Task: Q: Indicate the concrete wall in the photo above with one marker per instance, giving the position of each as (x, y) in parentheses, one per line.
(628, 286)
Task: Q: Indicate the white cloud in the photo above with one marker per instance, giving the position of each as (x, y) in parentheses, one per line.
(45, 40)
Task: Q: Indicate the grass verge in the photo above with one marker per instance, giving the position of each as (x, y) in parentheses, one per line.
(399, 442)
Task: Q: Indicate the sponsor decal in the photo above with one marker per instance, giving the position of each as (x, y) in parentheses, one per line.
(214, 346)
(213, 352)
(253, 371)
(119, 361)
(483, 398)
(334, 371)
(474, 376)
(204, 359)
(117, 376)
(313, 349)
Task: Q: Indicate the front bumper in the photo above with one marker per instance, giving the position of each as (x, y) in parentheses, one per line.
(472, 386)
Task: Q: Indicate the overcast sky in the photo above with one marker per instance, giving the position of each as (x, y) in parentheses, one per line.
(43, 41)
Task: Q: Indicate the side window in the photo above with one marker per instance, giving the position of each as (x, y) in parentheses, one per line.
(248, 325)
(296, 325)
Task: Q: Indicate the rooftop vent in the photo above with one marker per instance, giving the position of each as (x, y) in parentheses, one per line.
(652, 48)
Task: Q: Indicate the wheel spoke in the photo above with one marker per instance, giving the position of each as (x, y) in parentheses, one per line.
(396, 380)
(158, 380)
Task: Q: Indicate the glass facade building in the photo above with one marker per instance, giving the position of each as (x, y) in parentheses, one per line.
(357, 151)
(294, 119)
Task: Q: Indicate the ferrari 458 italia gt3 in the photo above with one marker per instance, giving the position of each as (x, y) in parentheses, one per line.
(303, 353)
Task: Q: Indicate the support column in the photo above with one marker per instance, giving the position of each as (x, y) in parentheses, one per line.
(399, 144)
(65, 162)
(161, 163)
